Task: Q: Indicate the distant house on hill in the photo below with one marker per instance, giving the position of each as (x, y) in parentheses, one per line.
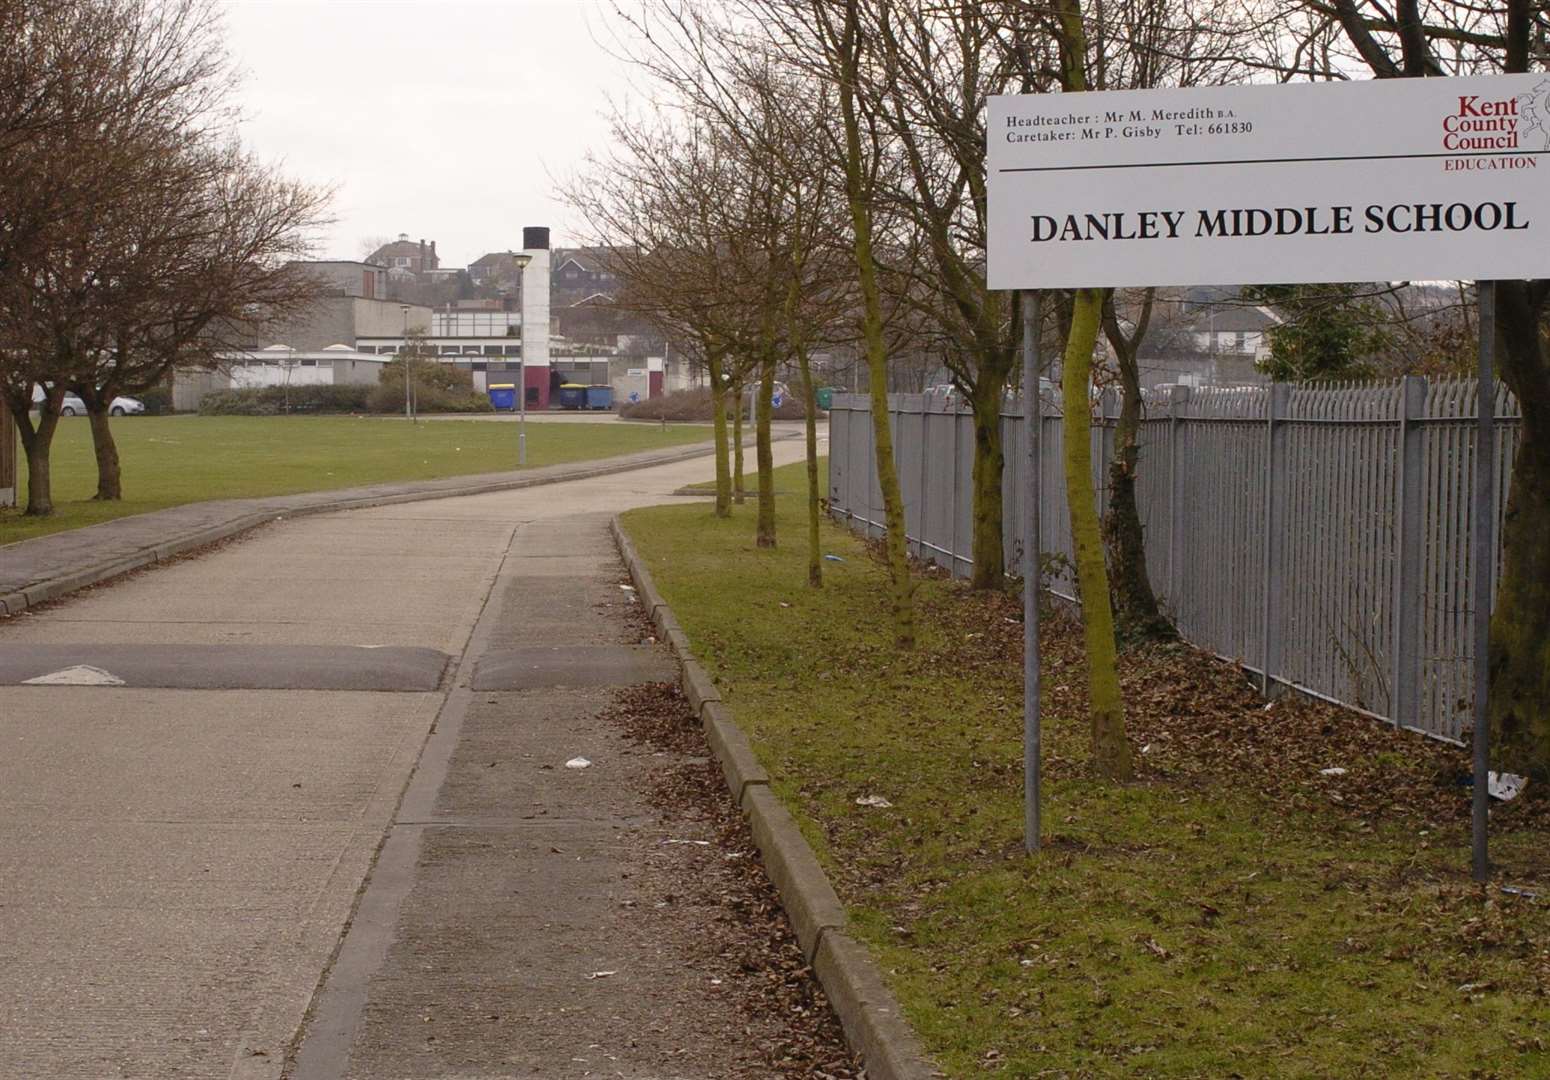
(580, 273)
(1205, 337)
(404, 254)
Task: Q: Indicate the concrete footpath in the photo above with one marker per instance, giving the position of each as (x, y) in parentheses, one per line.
(35, 571)
(205, 761)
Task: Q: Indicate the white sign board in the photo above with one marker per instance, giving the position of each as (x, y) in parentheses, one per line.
(1387, 180)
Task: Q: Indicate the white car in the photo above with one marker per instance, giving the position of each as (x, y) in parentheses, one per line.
(72, 405)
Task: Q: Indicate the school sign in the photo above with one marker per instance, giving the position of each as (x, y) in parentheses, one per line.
(1396, 179)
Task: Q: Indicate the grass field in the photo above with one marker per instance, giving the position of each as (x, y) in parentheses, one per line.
(1233, 912)
(172, 460)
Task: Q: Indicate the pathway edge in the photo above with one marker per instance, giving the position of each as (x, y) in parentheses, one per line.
(874, 1024)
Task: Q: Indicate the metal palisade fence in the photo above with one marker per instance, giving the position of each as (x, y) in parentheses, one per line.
(1318, 535)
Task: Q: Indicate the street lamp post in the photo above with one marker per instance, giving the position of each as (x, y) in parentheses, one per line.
(403, 353)
(520, 260)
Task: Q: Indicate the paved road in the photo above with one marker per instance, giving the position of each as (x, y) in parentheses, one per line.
(182, 844)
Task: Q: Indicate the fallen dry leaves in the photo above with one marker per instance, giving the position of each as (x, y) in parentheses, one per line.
(740, 934)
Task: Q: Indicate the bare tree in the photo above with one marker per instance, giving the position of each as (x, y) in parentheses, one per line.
(94, 96)
(656, 204)
(203, 264)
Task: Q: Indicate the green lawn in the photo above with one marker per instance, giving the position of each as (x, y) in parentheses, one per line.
(172, 460)
(1231, 913)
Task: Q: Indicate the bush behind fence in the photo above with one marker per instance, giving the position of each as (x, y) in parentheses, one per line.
(1319, 534)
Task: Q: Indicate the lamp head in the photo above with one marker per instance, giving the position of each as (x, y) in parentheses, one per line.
(520, 259)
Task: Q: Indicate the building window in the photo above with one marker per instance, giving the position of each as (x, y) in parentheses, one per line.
(480, 365)
(513, 350)
(309, 363)
(492, 350)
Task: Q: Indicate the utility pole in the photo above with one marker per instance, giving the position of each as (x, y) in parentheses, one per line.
(403, 354)
(520, 260)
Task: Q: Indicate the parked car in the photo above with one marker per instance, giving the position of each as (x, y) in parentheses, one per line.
(72, 405)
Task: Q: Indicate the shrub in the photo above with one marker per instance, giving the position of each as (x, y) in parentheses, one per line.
(272, 400)
(696, 405)
(438, 388)
(683, 405)
(158, 401)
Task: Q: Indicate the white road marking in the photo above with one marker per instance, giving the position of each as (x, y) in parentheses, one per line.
(79, 675)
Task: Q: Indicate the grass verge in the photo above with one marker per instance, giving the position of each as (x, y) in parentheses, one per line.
(1234, 912)
(168, 461)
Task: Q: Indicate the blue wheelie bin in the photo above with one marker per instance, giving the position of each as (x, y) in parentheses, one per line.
(503, 396)
(573, 396)
(600, 397)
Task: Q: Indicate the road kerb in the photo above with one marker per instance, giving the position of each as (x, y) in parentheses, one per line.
(699, 687)
(739, 764)
(869, 1013)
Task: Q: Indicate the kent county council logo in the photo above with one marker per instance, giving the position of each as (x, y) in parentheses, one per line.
(1534, 115)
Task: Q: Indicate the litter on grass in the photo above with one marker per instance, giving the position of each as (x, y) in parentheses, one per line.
(578, 763)
(1336, 771)
(1505, 786)
(834, 558)
(874, 800)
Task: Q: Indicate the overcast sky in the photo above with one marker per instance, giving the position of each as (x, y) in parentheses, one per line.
(443, 119)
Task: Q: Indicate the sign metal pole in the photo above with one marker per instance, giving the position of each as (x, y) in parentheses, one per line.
(1033, 409)
(1481, 585)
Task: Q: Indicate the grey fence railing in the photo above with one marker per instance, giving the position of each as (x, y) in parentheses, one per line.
(1318, 535)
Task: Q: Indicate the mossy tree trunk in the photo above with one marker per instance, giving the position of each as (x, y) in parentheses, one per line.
(105, 450)
(764, 531)
(798, 341)
(736, 394)
(901, 588)
(1134, 601)
(37, 441)
(718, 405)
(1110, 747)
(98, 400)
(1520, 623)
(986, 549)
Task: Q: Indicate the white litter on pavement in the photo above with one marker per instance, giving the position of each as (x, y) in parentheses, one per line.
(79, 675)
(696, 843)
(578, 763)
(600, 974)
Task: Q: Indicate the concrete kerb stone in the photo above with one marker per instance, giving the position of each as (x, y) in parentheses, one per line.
(662, 619)
(675, 636)
(45, 591)
(39, 592)
(870, 1015)
(651, 601)
(699, 687)
(868, 1012)
(810, 901)
(739, 764)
